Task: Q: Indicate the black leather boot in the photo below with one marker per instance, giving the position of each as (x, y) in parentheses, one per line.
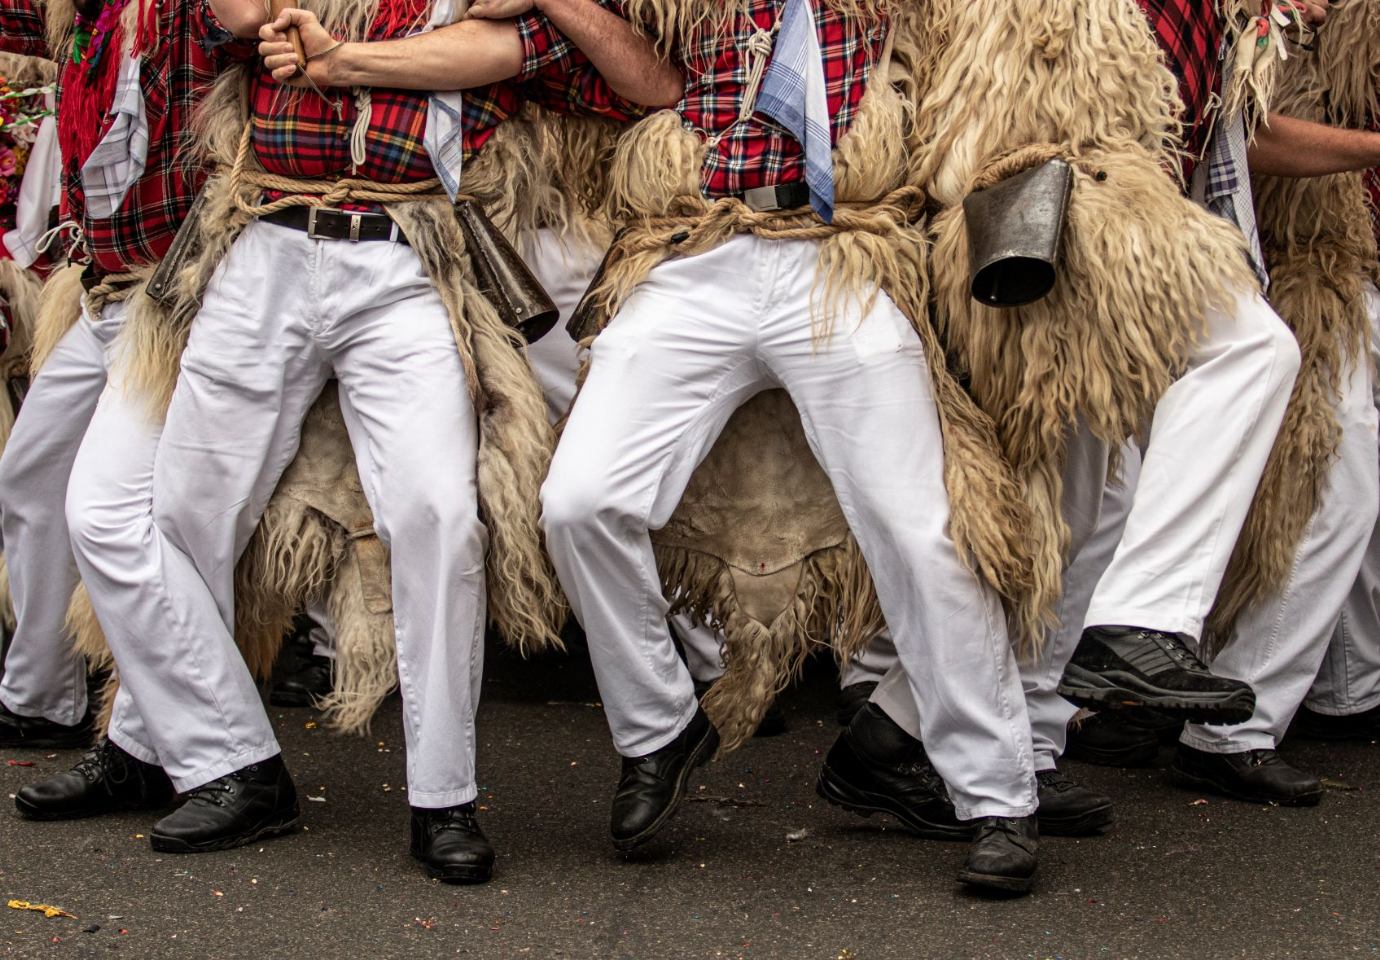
(300, 676)
(253, 803)
(853, 698)
(450, 845)
(106, 780)
(1364, 726)
(1118, 667)
(1070, 810)
(1121, 738)
(36, 733)
(1257, 776)
(651, 787)
(876, 767)
(1003, 855)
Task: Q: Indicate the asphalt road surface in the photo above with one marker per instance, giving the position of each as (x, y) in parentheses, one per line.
(756, 866)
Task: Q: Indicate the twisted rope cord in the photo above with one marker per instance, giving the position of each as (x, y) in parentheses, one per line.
(1017, 161)
(731, 215)
(319, 193)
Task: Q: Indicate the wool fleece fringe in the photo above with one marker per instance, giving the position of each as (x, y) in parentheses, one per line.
(1320, 247)
(1005, 89)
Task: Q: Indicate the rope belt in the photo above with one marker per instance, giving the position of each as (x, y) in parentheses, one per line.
(112, 288)
(318, 193)
(698, 228)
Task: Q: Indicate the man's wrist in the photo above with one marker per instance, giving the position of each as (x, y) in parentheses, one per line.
(340, 65)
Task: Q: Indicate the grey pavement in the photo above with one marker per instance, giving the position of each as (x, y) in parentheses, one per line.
(755, 866)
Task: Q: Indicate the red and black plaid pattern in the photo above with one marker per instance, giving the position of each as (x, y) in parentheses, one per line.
(759, 152)
(298, 134)
(1190, 32)
(21, 28)
(192, 49)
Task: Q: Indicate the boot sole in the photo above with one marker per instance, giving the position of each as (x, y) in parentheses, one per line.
(28, 811)
(174, 845)
(1090, 824)
(833, 789)
(992, 881)
(456, 875)
(1186, 779)
(1085, 688)
(699, 756)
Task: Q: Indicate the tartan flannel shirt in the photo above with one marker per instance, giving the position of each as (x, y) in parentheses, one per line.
(192, 49)
(759, 152)
(1191, 34)
(300, 135)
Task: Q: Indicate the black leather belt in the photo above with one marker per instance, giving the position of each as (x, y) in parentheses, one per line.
(322, 223)
(782, 196)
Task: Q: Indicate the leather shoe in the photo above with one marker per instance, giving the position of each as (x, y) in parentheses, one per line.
(1257, 776)
(651, 787)
(450, 845)
(876, 767)
(36, 733)
(253, 803)
(1363, 726)
(1116, 667)
(1121, 738)
(106, 780)
(300, 676)
(853, 698)
(1003, 855)
(1068, 809)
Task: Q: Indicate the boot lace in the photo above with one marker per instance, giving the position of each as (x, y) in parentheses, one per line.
(1160, 651)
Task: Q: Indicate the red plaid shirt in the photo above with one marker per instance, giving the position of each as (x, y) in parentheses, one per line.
(173, 78)
(758, 152)
(298, 134)
(1190, 32)
(21, 28)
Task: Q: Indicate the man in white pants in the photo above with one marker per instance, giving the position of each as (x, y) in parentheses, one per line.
(1344, 700)
(125, 214)
(368, 311)
(698, 337)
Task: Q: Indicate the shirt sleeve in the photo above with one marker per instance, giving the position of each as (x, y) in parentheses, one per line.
(22, 29)
(557, 75)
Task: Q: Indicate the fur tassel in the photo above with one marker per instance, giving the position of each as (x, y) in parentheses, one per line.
(59, 309)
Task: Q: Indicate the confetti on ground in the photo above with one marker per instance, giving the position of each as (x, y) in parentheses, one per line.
(1332, 784)
(42, 908)
(310, 724)
(20, 763)
(796, 835)
(1200, 802)
(428, 924)
(316, 799)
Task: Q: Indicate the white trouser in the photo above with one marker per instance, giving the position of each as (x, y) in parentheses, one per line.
(564, 265)
(704, 646)
(323, 630)
(260, 351)
(43, 675)
(1094, 530)
(1279, 643)
(1211, 435)
(1349, 680)
(694, 341)
(109, 512)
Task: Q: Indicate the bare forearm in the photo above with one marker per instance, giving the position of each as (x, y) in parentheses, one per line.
(628, 62)
(243, 18)
(471, 53)
(1288, 147)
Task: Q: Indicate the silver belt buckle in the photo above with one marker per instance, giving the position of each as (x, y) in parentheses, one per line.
(762, 199)
(311, 223)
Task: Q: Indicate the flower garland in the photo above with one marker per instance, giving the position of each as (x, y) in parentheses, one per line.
(20, 111)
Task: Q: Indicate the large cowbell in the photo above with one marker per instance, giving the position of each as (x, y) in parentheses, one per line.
(503, 277)
(1014, 233)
